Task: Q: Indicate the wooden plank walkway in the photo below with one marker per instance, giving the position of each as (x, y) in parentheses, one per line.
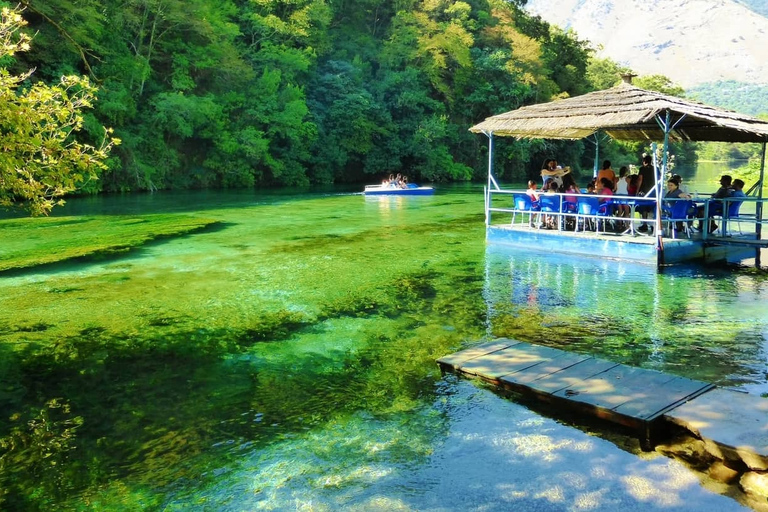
(634, 397)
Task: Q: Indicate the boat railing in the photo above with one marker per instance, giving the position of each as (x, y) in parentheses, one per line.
(734, 213)
(590, 212)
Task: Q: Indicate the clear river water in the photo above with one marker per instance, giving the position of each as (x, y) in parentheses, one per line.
(286, 361)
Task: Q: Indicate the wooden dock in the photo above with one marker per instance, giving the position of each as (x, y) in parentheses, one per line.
(634, 397)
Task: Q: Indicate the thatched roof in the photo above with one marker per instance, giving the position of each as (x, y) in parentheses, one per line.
(625, 112)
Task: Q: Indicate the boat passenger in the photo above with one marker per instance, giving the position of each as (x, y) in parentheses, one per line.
(679, 180)
(607, 189)
(674, 192)
(591, 187)
(726, 189)
(622, 183)
(622, 189)
(404, 182)
(716, 207)
(738, 188)
(607, 172)
(550, 187)
(646, 188)
(531, 192)
(571, 193)
(632, 186)
(647, 176)
(552, 171)
(570, 189)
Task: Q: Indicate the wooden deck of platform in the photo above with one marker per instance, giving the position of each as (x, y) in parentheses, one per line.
(634, 397)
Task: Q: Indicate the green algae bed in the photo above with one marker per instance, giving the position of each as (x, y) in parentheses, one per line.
(31, 242)
(279, 353)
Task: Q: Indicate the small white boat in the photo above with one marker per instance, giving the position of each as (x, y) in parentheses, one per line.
(389, 190)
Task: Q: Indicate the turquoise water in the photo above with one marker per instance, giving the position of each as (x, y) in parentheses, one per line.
(286, 360)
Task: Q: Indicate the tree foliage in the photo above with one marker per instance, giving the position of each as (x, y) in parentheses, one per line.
(41, 160)
(239, 93)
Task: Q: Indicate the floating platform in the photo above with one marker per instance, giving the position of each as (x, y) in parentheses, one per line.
(633, 397)
(732, 425)
(637, 248)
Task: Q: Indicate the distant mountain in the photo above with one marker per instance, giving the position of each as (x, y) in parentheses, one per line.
(759, 6)
(692, 42)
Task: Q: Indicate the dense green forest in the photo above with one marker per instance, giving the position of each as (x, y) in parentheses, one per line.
(232, 93)
(238, 93)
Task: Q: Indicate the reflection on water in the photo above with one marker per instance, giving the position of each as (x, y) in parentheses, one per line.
(288, 359)
(698, 322)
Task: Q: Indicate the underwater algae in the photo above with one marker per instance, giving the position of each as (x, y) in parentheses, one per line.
(29, 242)
(286, 358)
(183, 358)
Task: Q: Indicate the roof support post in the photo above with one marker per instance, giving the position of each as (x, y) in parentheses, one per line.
(660, 174)
(759, 207)
(657, 210)
(667, 126)
(596, 142)
(597, 155)
(490, 179)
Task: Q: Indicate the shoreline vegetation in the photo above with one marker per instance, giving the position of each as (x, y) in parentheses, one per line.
(33, 242)
(342, 99)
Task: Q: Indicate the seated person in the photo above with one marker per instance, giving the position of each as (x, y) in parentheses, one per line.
(571, 191)
(683, 191)
(607, 172)
(531, 192)
(716, 207)
(606, 189)
(725, 190)
(673, 192)
(550, 187)
(738, 192)
(738, 188)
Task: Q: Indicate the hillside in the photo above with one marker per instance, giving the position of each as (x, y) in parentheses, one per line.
(690, 41)
(746, 98)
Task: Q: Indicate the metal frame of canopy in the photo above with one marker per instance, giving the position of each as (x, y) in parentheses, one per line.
(626, 112)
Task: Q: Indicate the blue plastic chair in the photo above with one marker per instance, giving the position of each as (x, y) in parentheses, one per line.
(586, 206)
(716, 210)
(550, 204)
(733, 213)
(523, 204)
(605, 210)
(680, 212)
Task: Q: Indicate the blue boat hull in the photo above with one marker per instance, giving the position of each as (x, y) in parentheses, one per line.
(636, 249)
(387, 191)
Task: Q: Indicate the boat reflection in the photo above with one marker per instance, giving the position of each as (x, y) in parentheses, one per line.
(694, 321)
